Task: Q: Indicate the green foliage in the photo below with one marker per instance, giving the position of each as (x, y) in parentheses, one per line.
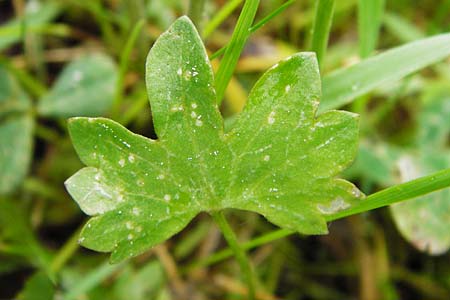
(279, 160)
(37, 287)
(17, 237)
(16, 133)
(321, 28)
(424, 221)
(344, 85)
(36, 18)
(370, 13)
(84, 88)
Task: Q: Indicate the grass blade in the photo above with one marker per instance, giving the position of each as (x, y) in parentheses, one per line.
(220, 17)
(235, 47)
(321, 28)
(344, 85)
(258, 25)
(370, 13)
(397, 193)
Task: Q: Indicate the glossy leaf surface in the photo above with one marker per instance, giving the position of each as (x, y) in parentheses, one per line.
(279, 159)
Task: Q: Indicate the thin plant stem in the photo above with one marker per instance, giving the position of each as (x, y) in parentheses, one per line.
(238, 252)
(257, 26)
(218, 19)
(321, 28)
(397, 193)
(124, 63)
(235, 47)
(370, 14)
(270, 16)
(196, 8)
(65, 253)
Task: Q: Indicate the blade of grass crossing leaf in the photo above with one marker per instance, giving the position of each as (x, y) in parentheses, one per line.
(391, 195)
(370, 13)
(235, 47)
(345, 85)
(220, 17)
(398, 193)
(124, 62)
(321, 28)
(258, 25)
(270, 16)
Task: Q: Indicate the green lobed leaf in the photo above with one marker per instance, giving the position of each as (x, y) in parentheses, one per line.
(84, 88)
(16, 133)
(279, 160)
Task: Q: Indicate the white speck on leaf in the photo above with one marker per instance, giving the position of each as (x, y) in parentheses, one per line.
(193, 114)
(336, 205)
(136, 211)
(179, 71)
(194, 105)
(287, 88)
(266, 158)
(176, 108)
(77, 76)
(167, 197)
(271, 118)
(160, 177)
(356, 192)
(198, 123)
(122, 162)
(131, 158)
(129, 225)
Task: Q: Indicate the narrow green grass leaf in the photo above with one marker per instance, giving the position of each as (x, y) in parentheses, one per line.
(397, 193)
(345, 85)
(123, 67)
(321, 28)
(196, 12)
(400, 27)
(91, 280)
(370, 14)
(258, 25)
(279, 160)
(224, 12)
(235, 47)
(271, 15)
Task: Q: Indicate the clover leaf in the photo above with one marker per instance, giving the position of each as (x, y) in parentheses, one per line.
(279, 160)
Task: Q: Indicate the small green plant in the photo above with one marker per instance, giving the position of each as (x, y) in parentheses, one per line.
(279, 157)
(278, 160)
